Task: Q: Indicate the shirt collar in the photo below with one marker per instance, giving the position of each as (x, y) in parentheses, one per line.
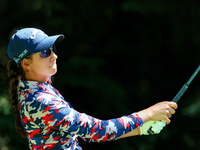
(34, 85)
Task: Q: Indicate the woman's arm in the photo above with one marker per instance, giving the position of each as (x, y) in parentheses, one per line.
(131, 133)
(160, 111)
(52, 111)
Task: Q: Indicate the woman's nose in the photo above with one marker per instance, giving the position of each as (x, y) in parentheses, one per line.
(53, 56)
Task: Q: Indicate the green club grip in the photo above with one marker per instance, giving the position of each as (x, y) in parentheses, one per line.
(180, 93)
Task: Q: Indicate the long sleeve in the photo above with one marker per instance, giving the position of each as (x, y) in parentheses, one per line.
(59, 114)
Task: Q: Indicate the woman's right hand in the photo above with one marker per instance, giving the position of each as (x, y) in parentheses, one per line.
(160, 111)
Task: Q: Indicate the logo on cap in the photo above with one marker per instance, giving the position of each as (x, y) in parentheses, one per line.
(17, 59)
(34, 32)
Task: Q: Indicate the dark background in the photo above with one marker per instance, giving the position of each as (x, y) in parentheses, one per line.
(118, 57)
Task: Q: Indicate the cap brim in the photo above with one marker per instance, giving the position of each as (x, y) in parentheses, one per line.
(48, 42)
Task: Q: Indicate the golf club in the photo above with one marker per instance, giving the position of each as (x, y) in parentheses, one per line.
(180, 93)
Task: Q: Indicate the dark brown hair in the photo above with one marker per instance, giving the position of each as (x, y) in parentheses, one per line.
(15, 73)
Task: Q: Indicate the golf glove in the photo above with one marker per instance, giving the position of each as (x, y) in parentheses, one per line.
(156, 127)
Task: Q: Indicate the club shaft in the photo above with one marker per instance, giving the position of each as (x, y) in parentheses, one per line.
(193, 75)
(185, 86)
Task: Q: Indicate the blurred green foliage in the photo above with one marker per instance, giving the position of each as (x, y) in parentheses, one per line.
(118, 57)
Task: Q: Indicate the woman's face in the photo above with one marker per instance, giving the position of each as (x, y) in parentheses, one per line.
(40, 69)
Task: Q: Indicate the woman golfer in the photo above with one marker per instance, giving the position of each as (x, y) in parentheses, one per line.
(43, 116)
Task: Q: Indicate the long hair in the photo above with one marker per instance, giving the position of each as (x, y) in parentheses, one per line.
(15, 73)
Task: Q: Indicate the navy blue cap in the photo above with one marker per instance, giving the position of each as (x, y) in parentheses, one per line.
(29, 40)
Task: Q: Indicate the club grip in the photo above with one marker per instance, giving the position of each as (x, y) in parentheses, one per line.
(180, 93)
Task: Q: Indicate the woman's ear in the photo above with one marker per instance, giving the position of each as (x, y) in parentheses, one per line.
(25, 63)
